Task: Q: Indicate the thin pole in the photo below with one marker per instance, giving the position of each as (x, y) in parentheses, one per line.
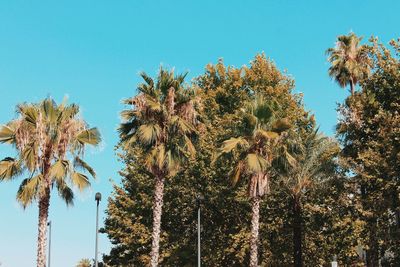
(49, 224)
(198, 238)
(97, 235)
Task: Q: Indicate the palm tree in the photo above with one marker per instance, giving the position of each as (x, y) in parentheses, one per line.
(50, 140)
(161, 123)
(349, 61)
(84, 263)
(254, 150)
(304, 164)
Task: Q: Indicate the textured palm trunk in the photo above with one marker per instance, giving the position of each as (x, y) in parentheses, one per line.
(297, 234)
(254, 231)
(157, 211)
(44, 204)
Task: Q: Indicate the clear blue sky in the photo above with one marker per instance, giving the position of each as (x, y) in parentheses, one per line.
(92, 51)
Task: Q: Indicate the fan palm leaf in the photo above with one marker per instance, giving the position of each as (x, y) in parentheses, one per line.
(45, 135)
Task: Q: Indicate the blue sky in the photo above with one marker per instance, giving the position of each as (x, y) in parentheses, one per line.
(92, 52)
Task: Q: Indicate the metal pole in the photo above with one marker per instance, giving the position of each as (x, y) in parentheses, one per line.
(97, 235)
(97, 198)
(334, 263)
(49, 260)
(198, 237)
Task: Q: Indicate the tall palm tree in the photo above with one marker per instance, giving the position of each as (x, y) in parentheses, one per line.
(162, 123)
(304, 163)
(254, 150)
(50, 140)
(349, 61)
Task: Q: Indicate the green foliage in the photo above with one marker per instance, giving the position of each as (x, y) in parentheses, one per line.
(46, 136)
(349, 61)
(369, 132)
(224, 94)
(161, 122)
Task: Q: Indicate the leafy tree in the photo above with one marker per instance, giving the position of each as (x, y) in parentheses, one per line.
(224, 92)
(349, 61)
(254, 154)
(369, 133)
(305, 162)
(162, 123)
(50, 140)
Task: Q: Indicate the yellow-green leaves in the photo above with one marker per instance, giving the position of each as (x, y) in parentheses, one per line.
(266, 134)
(189, 146)
(65, 192)
(29, 112)
(80, 180)
(89, 136)
(153, 105)
(9, 168)
(232, 143)
(45, 135)
(29, 189)
(59, 170)
(281, 125)
(50, 110)
(256, 163)
(237, 172)
(161, 122)
(7, 134)
(181, 125)
(79, 163)
(148, 133)
(29, 155)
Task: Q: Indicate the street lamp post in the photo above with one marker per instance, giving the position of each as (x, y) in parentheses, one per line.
(199, 200)
(98, 199)
(49, 225)
(334, 263)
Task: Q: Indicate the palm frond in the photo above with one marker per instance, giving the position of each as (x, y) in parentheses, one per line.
(262, 111)
(68, 112)
(237, 173)
(148, 133)
(147, 79)
(181, 126)
(50, 110)
(255, 163)
(9, 168)
(269, 135)
(59, 170)
(7, 134)
(29, 113)
(79, 163)
(281, 125)
(80, 180)
(29, 156)
(89, 136)
(189, 146)
(65, 192)
(29, 190)
(233, 143)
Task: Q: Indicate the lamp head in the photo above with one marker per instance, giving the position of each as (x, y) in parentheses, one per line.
(97, 197)
(199, 199)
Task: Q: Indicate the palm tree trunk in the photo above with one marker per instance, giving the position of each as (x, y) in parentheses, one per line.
(157, 211)
(254, 231)
(373, 252)
(297, 234)
(352, 86)
(44, 204)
